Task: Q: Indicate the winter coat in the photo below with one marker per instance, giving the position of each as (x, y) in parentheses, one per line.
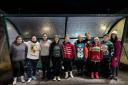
(117, 54)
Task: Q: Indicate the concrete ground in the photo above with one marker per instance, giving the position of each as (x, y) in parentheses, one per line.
(122, 80)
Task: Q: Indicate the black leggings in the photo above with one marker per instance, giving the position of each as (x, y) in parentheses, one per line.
(105, 68)
(79, 65)
(18, 68)
(56, 66)
(68, 64)
(45, 60)
(95, 66)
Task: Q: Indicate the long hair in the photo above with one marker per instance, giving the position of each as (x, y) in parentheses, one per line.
(45, 34)
(19, 36)
(55, 37)
(113, 40)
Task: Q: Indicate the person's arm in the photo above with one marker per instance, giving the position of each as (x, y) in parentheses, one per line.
(50, 50)
(11, 52)
(101, 52)
(26, 50)
(85, 52)
(74, 51)
(111, 48)
(118, 50)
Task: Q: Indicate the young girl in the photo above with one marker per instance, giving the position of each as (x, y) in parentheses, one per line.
(95, 54)
(18, 54)
(81, 54)
(56, 55)
(69, 55)
(32, 57)
(117, 54)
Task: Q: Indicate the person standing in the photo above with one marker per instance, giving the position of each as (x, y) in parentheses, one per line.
(88, 40)
(32, 57)
(56, 55)
(69, 56)
(117, 55)
(96, 56)
(81, 54)
(45, 59)
(18, 53)
(108, 51)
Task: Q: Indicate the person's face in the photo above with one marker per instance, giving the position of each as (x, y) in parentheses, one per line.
(113, 36)
(106, 38)
(96, 40)
(19, 40)
(67, 39)
(45, 37)
(80, 38)
(88, 35)
(56, 39)
(34, 38)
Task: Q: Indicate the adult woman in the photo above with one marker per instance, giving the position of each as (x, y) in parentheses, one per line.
(18, 54)
(45, 59)
(56, 55)
(69, 55)
(117, 54)
(32, 57)
(81, 54)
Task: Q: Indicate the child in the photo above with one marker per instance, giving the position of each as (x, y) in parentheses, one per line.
(95, 54)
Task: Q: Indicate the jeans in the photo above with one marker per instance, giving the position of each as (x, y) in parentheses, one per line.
(31, 67)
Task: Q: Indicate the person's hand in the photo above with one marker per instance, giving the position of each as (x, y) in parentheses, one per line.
(63, 67)
(115, 59)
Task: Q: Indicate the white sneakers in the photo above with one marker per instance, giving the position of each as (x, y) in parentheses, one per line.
(66, 75)
(34, 78)
(29, 80)
(71, 75)
(15, 80)
(56, 78)
(22, 79)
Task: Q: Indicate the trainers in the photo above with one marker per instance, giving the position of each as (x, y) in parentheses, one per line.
(66, 75)
(22, 79)
(58, 78)
(71, 74)
(34, 78)
(14, 81)
(29, 80)
(54, 79)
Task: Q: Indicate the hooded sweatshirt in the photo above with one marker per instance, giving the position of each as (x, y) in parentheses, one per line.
(18, 52)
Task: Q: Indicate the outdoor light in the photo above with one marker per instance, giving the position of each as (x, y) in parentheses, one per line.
(103, 27)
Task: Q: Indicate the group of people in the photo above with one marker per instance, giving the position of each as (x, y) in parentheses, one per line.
(91, 55)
